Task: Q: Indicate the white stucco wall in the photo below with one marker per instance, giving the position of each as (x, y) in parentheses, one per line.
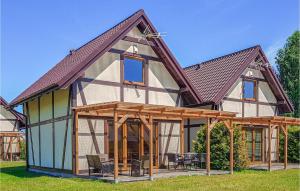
(46, 146)
(168, 132)
(160, 77)
(233, 107)
(85, 141)
(265, 93)
(8, 120)
(134, 95)
(163, 98)
(107, 68)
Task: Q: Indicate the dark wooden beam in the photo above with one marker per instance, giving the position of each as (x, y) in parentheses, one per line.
(39, 118)
(139, 41)
(53, 131)
(121, 52)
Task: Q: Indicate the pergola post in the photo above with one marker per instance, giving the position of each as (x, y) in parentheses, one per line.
(208, 147)
(151, 148)
(124, 139)
(76, 144)
(142, 140)
(270, 147)
(116, 167)
(182, 137)
(231, 130)
(285, 146)
(10, 149)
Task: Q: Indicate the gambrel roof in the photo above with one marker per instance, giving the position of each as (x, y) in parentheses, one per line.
(73, 65)
(213, 78)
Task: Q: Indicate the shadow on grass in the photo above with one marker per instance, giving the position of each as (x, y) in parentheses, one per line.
(19, 171)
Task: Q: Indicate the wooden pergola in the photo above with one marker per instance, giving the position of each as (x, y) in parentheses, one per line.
(271, 122)
(12, 135)
(121, 111)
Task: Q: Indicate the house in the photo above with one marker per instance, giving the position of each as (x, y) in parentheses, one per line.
(241, 82)
(121, 94)
(10, 136)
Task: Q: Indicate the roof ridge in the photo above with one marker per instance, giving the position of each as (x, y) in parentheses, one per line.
(140, 11)
(221, 57)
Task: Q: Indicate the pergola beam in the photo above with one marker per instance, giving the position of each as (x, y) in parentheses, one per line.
(122, 120)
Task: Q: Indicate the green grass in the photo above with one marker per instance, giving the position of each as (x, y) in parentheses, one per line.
(14, 177)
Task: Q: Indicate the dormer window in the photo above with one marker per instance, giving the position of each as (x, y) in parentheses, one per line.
(133, 70)
(249, 90)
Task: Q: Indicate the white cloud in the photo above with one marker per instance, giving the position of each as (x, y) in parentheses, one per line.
(272, 51)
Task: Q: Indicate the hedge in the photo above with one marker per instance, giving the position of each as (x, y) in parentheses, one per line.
(293, 145)
(220, 147)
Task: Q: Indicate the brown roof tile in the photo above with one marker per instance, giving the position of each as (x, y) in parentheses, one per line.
(211, 76)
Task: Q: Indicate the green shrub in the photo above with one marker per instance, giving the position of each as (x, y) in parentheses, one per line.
(220, 147)
(293, 145)
(22, 150)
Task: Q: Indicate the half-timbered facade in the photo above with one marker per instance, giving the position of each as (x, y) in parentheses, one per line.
(104, 70)
(121, 94)
(242, 82)
(10, 136)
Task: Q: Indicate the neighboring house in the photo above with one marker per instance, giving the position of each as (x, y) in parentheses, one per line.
(241, 82)
(10, 136)
(77, 107)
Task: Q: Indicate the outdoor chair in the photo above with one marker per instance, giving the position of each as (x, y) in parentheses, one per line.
(202, 159)
(138, 166)
(196, 160)
(145, 163)
(174, 160)
(100, 164)
(187, 160)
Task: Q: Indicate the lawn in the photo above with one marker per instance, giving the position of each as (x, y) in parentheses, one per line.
(14, 177)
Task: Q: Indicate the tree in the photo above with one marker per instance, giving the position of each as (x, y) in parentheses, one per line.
(288, 63)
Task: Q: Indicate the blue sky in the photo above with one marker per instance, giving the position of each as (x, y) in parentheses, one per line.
(35, 35)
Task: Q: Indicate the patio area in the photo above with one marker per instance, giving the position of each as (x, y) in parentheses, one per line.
(275, 166)
(125, 176)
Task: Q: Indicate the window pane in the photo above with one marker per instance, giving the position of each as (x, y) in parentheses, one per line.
(248, 90)
(133, 70)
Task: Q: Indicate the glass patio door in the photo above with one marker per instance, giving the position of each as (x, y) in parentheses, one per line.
(254, 144)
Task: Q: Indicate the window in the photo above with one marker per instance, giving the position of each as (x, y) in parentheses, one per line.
(133, 70)
(249, 90)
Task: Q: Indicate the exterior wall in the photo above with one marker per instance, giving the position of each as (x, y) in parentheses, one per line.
(89, 143)
(8, 121)
(47, 133)
(273, 144)
(101, 83)
(104, 77)
(265, 105)
(169, 140)
(191, 129)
